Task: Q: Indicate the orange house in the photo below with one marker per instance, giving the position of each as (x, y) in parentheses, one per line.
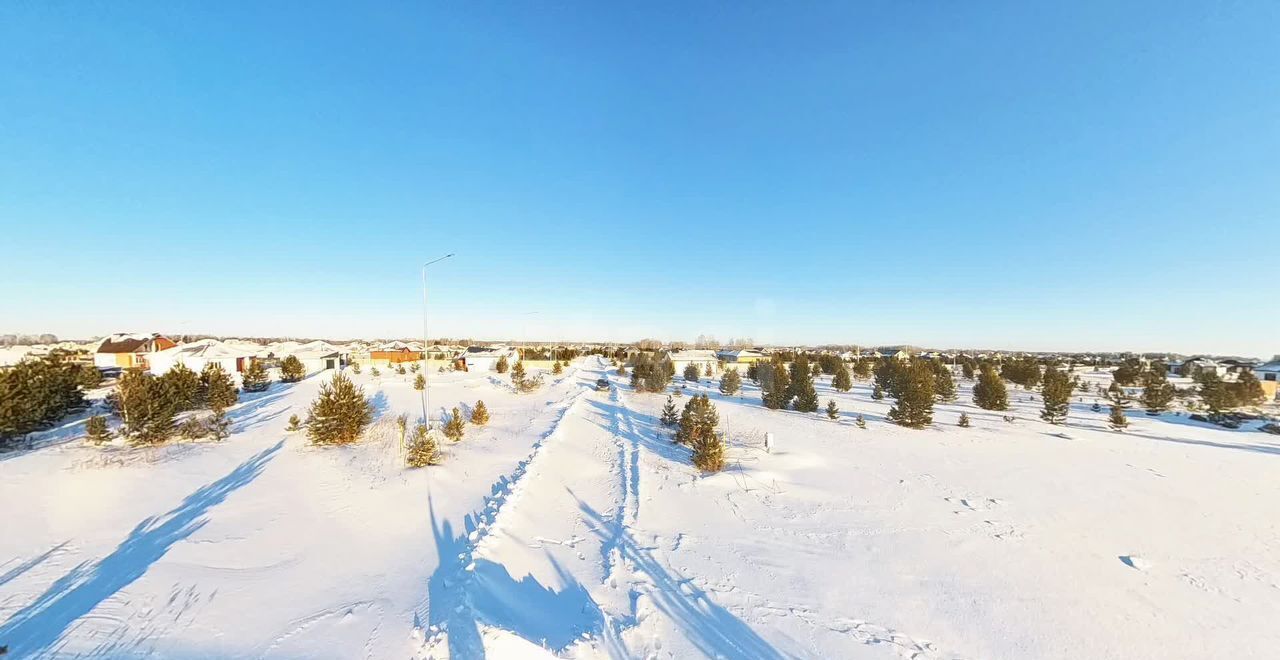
(129, 351)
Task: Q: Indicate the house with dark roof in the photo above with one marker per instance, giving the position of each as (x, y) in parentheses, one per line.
(126, 351)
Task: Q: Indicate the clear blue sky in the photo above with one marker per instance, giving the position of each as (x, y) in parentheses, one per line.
(1028, 175)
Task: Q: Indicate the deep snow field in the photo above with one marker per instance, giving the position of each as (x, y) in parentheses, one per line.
(571, 526)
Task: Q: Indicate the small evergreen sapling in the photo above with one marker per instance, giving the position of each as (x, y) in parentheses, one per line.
(1057, 396)
(291, 369)
(479, 414)
(1117, 420)
(990, 392)
(400, 369)
(730, 382)
(422, 448)
(964, 421)
(255, 377)
(698, 430)
(806, 398)
(670, 417)
(944, 385)
(183, 385)
(832, 411)
(419, 382)
(842, 381)
(95, 430)
(295, 424)
(502, 365)
(455, 427)
(556, 368)
(860, 422)
(355, 368)
(373, 371)
(339, 414)
(914, 405)
(877, 392)
(193, 429)
(691, 373)
(1157, 393)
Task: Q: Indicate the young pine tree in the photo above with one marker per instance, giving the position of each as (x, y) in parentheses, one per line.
(479, 414)
(1157, 393)
(95, 430)
(422, 448)
(295, 424)
(842, 381)
(860, 421)
(699, 417)
(147, 408)
(355, 368)
(1215, 394)
(183, 385)
(698, 430)
(255, 377)
(944, 385)
(669, 415)
(964, 421)
(89, 377)
(990, 393)
(373, 371)
(1057, 396)
(806, 398)
(419, 382)
(692, 373)
(502, 365)
(556, 368)
(707, 371)
(914, 405)
(1247, 391)
(218, 389)
(1118, 395)
(339, 414)
(730, 382)
(775, 385)
(832, 411)
(877, 392)
(291, 369)
(455, 427)
(400, 369)
(1118, 421)
(753, 372)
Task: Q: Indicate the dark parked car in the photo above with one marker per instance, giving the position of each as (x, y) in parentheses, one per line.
(602, 384)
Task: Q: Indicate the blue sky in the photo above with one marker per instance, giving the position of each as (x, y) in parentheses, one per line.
(1027, 175)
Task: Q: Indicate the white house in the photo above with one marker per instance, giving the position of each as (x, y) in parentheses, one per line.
(233, 358)
(699, 357)
(316, 356)
(743, 356)
(485, 358)
(1201, 365)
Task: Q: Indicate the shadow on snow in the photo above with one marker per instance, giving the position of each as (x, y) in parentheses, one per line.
(39, 625)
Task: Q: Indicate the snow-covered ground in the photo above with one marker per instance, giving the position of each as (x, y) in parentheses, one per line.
(572, 526)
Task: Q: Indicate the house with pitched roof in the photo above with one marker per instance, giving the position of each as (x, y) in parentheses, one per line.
(126, 351)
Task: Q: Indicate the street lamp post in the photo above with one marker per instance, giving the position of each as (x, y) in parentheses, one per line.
(426, 372)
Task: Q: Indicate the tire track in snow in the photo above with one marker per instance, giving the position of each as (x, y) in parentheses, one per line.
(458, 576)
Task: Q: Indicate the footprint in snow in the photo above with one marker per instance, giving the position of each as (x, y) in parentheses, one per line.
(1134, 561)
